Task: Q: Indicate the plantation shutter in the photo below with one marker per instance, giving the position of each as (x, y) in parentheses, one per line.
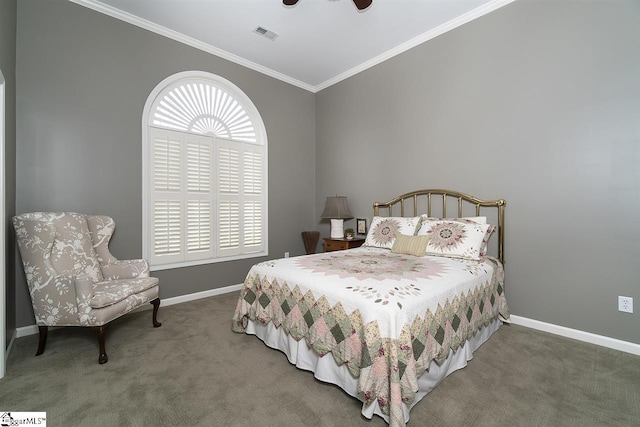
(199, 197)
(182, 197)
(228, 196)
(166, 210)
(253, 199)
(240, 197)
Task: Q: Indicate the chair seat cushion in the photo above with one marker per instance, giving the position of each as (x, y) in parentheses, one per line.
(113, 291)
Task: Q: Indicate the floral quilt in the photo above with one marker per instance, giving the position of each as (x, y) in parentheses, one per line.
(386, 316)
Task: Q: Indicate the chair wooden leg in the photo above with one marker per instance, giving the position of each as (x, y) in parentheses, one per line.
(156, 305)
(101, 331)
(43, 339)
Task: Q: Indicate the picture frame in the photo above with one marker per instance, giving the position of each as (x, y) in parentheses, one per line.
(361, 226)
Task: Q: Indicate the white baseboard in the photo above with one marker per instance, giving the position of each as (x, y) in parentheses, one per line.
(23, 331)
(33, 329)
(204, 294)
(626, 346)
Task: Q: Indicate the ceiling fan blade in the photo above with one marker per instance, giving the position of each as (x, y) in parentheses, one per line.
(362, 4)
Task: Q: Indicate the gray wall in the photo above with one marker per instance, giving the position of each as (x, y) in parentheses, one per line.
(83, 79)
(538, 103)
(8, 67)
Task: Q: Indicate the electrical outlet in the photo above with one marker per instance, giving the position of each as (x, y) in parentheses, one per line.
(286, 254)
(625, 304)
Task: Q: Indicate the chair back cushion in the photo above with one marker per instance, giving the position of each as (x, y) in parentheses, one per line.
(73, 253)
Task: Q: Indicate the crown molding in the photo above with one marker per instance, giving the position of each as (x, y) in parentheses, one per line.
(190, 41)
(431, 34)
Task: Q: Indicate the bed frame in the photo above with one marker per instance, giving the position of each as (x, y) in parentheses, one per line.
(417, 202)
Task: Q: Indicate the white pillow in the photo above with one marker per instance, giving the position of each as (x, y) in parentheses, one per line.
(384, 230)
(476, 219)
(457, 238)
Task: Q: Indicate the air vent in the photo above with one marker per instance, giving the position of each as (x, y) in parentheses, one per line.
(267, 33)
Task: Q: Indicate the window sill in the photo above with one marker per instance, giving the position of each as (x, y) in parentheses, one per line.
(207, 261)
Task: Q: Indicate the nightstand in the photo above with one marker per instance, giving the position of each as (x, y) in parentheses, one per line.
(342, 244)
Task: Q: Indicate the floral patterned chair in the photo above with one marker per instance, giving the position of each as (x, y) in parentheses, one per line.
(73, 278)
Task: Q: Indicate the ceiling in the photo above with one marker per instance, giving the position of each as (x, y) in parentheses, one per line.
(318, 43)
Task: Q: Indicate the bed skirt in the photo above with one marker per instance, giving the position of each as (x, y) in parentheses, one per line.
(325, 368)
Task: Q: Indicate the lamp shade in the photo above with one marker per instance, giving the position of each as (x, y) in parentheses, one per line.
(336, 207)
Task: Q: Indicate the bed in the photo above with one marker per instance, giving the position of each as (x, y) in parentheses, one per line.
(388, 321)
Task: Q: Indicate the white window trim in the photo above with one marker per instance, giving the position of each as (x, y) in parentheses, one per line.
(261, 137)
(3, 306)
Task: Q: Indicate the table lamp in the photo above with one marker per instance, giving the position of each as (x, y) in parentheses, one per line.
(337, 210)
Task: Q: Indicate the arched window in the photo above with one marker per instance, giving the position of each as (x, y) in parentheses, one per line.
(204, 173)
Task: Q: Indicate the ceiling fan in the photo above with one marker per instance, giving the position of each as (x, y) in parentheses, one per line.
(360, 4)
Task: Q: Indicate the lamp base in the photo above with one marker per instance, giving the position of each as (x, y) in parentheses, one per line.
(337, 228)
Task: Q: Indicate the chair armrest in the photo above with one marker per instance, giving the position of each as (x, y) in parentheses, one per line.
(83, 286)
(126, 269)
(55, 304)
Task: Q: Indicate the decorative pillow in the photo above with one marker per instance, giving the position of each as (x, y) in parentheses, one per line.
(384, 230)
(410, 245)
(456, 238)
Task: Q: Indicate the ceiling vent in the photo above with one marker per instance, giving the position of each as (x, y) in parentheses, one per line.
(267, 33)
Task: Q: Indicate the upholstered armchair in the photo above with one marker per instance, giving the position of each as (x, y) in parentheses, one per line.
(73, 279)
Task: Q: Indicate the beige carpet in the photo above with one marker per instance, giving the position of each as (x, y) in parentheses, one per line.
(194, 371)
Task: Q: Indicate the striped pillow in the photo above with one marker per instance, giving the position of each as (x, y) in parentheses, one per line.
(410, 245)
